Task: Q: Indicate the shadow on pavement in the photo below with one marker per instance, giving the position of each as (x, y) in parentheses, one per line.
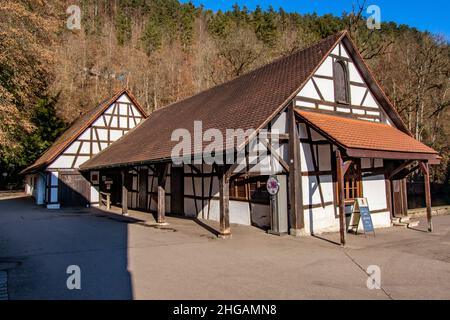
(46, 243)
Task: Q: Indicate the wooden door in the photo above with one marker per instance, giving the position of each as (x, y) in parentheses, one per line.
(177, 190)
(399, 201)
(74, 190)
(142, 189)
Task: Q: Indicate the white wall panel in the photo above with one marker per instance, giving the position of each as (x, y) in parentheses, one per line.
(309, 91)
(62, 162)
(123, 109)
(357, 94)
(354, 73)
(326, 88)
(320, 220)
(86, 135)
(326, 69)
(370, 101)
(280, 123)
(85, 147)
(73, 148)
(115, 134)
(305, 104)
(374, 189)
(311, 192)
(100, 122)
(124, 98)
(81, 160)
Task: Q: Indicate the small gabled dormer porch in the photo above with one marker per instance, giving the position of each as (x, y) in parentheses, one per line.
(356, 141)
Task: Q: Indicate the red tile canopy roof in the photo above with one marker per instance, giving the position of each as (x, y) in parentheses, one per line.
(361, 137)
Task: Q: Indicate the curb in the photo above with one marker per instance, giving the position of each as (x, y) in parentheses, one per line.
(435, 211)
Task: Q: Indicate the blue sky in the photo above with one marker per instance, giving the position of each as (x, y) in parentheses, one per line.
(431, 15)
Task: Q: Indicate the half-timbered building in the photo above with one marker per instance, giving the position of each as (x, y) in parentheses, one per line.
(330, 135)
(54, 179)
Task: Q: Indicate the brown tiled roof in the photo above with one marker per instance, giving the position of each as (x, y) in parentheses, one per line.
(77, 128)
(360, 134)
(247, 102)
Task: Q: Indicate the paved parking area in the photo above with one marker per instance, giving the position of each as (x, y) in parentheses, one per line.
(130, 259)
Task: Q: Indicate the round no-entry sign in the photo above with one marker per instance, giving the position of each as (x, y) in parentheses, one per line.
(273, 186)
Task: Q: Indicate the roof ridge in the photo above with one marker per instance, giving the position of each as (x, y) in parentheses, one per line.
(317, 43)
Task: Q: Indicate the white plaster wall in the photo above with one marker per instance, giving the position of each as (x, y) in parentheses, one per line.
(124, 98)
(374, 189)
(28, 184)
(95, 195)
(280, 123)
(240, 212)
(311, 192)
(326, 88)
(326, 69)
(309, 91)
(320, 220)
(62, 161)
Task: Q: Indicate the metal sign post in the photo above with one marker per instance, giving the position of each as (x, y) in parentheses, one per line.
(273, 187)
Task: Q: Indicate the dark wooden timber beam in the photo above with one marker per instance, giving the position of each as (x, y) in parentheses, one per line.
(195, 169)
(340, 182)
(297, 223)
(426, 180)
(224, 202)
(404, 165)
(345, 166)
(394, 155)
(124, 193)
(162, 175)
(277, 157)
(410, 170)
(315, 164)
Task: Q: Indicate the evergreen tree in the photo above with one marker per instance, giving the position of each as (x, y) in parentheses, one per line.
(152, 36)
(187, 18)
(123, 28)
(48, 127)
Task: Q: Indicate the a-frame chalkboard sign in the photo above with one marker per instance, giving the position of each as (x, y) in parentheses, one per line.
(361, 212)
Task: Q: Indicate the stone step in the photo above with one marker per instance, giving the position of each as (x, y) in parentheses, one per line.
(405, 223)
(401, 219)
(413, 223)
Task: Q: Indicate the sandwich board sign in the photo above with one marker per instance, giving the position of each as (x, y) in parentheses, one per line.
(361, 212)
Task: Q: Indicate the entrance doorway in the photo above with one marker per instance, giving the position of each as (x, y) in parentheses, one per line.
(74, 190)
(177, 190)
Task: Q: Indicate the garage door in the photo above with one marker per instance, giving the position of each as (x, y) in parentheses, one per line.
(74, 190)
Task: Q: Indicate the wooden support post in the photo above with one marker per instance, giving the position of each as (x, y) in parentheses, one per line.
(340, 182)
(161, 211)
(297, 223)
(124, 194)
(426, 180)
(224, 203)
